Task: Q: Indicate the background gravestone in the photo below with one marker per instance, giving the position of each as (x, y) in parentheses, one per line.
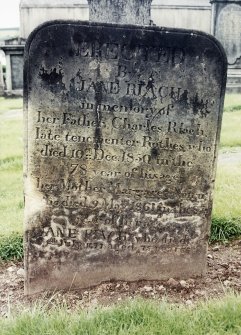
(122, 128)
(226, 27)
(14, 49)
(120, 11)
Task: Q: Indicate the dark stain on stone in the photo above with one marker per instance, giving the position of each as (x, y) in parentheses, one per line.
(172, 202)
(98, 86)
(154, 152)
(53, 79)
(71, 52)
(183, 100)
(200, 106)
(77, 37)
(150, 87)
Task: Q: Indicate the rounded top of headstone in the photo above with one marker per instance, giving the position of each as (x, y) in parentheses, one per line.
(121, 11)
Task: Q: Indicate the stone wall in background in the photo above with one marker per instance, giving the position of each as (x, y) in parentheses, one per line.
(36, 12)
(189, 14)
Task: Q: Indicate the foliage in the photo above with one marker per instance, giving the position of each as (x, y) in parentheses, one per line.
(227, 195)
(224, 229)
(11, 166)
(138, 317)
(231, 134)
(11, 247)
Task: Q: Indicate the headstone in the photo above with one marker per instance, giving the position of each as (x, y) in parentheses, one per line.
(226, 28)
(14, 49)
(121, 11)
(122, 129)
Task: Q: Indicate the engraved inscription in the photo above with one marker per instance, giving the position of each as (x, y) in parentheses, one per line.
(122, 141)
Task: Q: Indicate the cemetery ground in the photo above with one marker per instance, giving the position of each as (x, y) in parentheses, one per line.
(173, 306)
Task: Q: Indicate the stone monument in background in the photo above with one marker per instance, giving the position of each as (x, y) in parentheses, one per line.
(120, 11)
(226, 27)
(122, 127)
(14, 49)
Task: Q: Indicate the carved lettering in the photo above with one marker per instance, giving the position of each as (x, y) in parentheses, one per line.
(122, 126)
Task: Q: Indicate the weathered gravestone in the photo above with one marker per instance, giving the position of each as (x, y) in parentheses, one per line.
(226, 26)
(14, 49)
(121, 11)
(122, 128)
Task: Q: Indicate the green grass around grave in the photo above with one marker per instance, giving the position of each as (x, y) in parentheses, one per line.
(11, 186)
(138, 317)
(231, 129)
(226, 216)
(232, 102)
(224, 229)
(11, 144)
(10, 103)
(227, 206)
(11, 247)
(227, 195)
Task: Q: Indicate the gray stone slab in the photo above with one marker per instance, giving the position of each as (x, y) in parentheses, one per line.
(17, 71)
(227, 29)
(122, 128)
(120, 11)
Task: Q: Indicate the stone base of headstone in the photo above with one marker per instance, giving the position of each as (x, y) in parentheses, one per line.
(51, 276)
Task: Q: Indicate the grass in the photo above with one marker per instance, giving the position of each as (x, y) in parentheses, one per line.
(227, 206)
(10, 103)
(232, 102)
(226, 215)
(11, 189)
(224, 229)
(227, 196)
(136, 317)
(11, 247)
(226, 220)
(231, 129)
